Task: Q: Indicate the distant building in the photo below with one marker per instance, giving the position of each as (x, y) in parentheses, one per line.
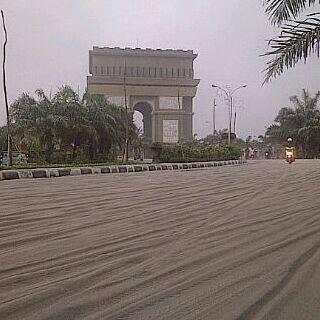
(158, 83)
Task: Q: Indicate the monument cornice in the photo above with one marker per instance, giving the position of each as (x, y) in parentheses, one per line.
(141, 81)
(117, 51)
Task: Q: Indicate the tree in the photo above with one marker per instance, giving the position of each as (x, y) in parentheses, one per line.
(25, 127)
(220, 138)
(74, 129)
(103, 118)
(298, 38)
(67, 128)
(3, 139)
(302, 123)
(36, 121)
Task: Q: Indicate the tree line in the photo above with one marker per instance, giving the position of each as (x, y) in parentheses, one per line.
(301, 122)
(67, 128)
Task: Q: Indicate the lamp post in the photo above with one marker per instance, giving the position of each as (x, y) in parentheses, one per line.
(229, 95)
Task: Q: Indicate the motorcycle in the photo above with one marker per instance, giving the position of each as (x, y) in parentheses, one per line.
(289, 152)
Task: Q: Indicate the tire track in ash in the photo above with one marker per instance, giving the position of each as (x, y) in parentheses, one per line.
(254, 309)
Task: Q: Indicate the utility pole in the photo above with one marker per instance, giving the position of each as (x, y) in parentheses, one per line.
(179, 123)
(230, 119)
(235, 116)
(214, 118)
(126, 148)
(5, 92)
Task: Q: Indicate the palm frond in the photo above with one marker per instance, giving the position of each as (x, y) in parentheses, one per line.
(296, 42)
(280, 11)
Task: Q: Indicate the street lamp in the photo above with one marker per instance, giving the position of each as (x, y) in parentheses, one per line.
(229, 95)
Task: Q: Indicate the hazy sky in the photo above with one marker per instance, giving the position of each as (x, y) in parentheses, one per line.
(49, 42)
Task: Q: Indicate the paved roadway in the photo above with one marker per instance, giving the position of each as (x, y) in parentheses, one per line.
(222, 243)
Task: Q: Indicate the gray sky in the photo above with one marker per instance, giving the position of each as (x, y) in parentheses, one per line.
(49, 42)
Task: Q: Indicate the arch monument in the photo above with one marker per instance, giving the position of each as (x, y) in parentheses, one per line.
(158, 83)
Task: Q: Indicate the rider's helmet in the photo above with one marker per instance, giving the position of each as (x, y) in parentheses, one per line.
(289, 140)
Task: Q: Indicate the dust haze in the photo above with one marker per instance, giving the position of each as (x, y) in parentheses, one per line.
(49, 44)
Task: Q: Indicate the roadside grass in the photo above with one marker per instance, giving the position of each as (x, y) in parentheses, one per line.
(63, 165)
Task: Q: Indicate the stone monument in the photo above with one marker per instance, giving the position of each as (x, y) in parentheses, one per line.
(158, 83)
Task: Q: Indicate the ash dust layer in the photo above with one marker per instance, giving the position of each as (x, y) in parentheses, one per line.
(233, 242)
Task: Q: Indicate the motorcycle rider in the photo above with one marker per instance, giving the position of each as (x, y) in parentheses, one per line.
(290, 151)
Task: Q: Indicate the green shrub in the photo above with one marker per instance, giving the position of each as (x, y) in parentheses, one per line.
(185, 153)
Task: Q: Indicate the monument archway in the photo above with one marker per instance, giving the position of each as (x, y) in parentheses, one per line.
(146, 110)
(158, 83)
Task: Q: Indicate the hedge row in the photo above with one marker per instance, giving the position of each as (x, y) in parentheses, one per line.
(184, 153)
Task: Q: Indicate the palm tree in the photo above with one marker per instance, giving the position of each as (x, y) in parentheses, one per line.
(101, 117)
(35, 120)
(298, 38)
(3, 139)
(74, 130)
(302, 123)
(69, 128)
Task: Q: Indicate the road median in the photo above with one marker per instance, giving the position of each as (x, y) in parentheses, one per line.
(41, 173)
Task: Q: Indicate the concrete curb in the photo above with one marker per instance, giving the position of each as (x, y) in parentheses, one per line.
(62, 172)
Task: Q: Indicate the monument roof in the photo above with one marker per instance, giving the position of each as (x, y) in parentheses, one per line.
(117, 51)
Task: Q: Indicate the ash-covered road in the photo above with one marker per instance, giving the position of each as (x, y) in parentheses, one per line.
(234, 242)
